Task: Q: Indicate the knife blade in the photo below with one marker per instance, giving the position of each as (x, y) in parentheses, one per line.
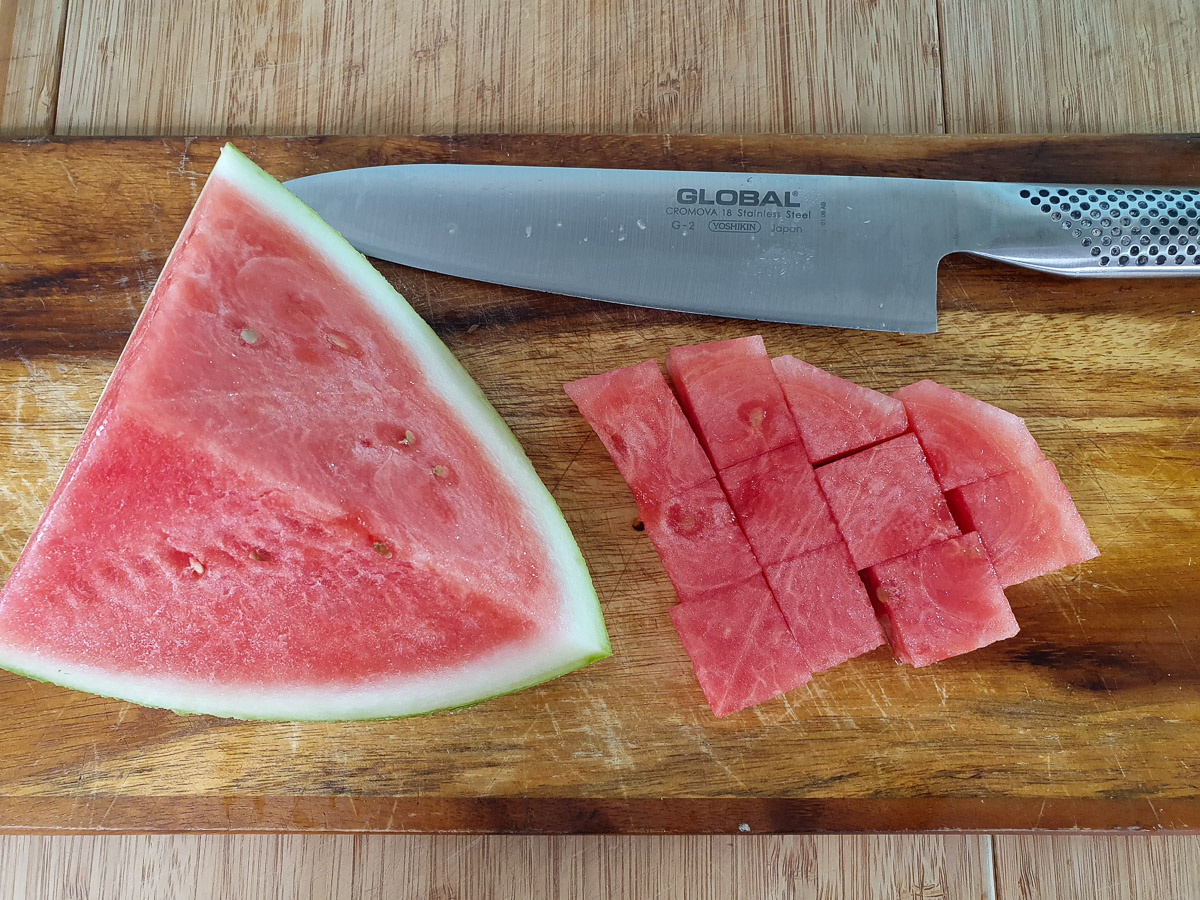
(844, 251)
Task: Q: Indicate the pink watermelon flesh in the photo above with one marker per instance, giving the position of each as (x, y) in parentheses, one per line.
(966, 439)
(941, 601)
(364, 446)
(210, 584)
(732, 397)
(826, 606)
(277, 510)
(638, 419)
(730, 594)
(836, 416)
(740, 647)
(1027, 521)
(886, 501)
(699, 542)
(779, 505)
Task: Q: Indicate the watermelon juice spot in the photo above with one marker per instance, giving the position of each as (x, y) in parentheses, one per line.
(964, 438)
(836, 416)
(732, 397)
(941, 601)
(1027, 522)
(886, 501)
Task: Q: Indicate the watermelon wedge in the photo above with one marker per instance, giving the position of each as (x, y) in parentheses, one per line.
(638, 419)
(885, 501)
(941, 601)
(778, 504)
(698, 540)
(836, 416)
(826, 606)
(1027, 522)
(740, 646)
(964, 438)
(732, 397)
(291, 502)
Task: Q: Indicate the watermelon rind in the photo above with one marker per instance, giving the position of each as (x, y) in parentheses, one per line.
(578, 639)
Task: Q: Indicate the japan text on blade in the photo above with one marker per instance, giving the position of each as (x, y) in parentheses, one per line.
(843, 251)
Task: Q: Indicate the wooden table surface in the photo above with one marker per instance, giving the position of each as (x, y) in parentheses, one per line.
(367, 66)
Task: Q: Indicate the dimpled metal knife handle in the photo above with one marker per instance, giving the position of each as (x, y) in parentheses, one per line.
(1091, 231)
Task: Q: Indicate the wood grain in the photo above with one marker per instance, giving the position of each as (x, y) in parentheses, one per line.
(1083, 720)
(1097, 867)
(377, 67)
(31, 33)
(344, 867)
(1071, 66)
(982, 94)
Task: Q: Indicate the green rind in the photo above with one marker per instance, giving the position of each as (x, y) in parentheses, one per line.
(508, 454)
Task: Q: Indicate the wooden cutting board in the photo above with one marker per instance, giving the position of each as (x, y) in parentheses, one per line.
(1088, 718)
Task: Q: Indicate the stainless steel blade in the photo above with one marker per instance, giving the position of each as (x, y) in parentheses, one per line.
(846, 251)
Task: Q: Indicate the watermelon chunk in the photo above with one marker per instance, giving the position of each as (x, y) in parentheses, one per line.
(886, 501)
(732, 397)
(966, 439)
(778, 504)
(699, 542)
(291, 502)
(636, 416)
(740, 647)
(836, 416)
(1027, 521)
(941, 601)
(826, 606)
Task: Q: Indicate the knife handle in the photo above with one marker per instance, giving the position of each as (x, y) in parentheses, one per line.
(1092, 231)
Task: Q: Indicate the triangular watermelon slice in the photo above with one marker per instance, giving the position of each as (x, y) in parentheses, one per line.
(836, 416)
(291, 501)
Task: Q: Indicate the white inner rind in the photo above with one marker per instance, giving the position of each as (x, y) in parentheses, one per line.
(504, 671)
(575, 639)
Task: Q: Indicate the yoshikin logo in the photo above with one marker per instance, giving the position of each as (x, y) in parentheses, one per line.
(723, 225)
(701, 197)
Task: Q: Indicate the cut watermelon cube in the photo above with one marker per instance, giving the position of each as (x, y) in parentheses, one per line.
(638, 419)
(836, 416)
(964, 438)
(740, 647)
(826, 606)
(886, 501)
(699, 541)
(1027, 521)
(778, 504)
(941, 601)
(733, 398)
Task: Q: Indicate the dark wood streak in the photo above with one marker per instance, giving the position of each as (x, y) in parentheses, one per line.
(67, 282)
(1108, 669)
(513, 815)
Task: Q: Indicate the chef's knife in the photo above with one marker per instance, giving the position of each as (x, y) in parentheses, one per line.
(848, 251)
